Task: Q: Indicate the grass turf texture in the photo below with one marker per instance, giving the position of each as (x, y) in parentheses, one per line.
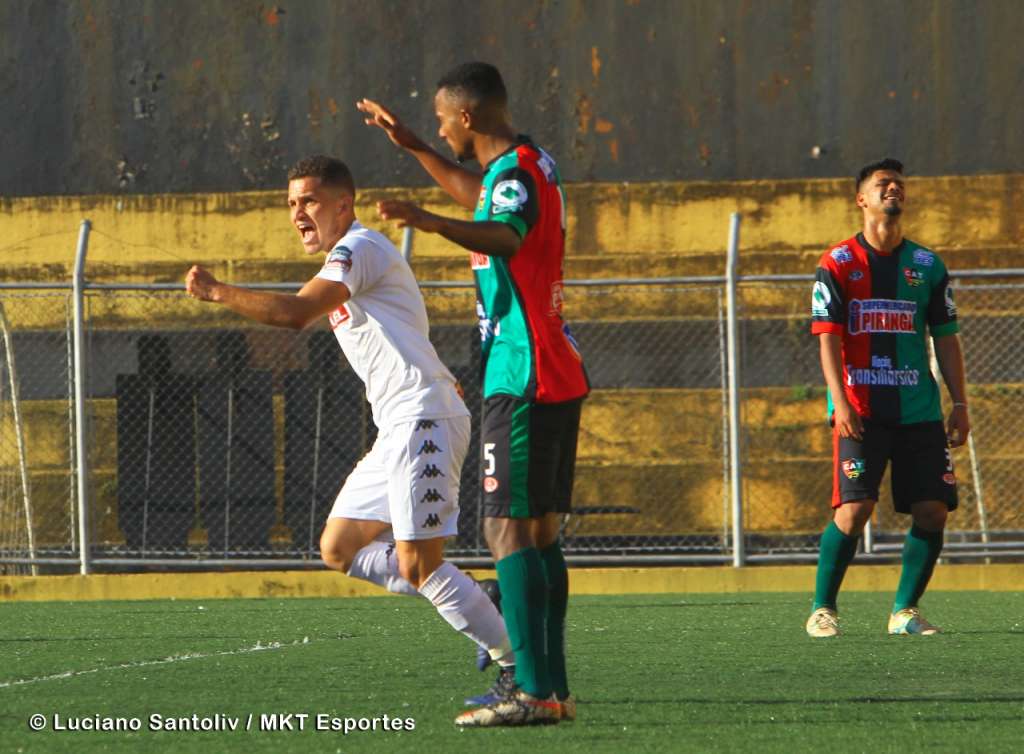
(655, 673)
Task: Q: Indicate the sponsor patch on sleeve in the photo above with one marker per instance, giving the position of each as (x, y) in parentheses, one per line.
(820, 299)
(508, 196)
(950, 303)
(340, 258)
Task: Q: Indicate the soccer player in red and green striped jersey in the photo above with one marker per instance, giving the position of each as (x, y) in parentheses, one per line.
(876, 299)
(533, 376)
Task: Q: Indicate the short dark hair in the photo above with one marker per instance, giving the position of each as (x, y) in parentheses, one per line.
(885, 164)
(479, 82)
(330, 170)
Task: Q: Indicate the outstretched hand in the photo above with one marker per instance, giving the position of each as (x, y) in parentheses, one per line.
(200, 283)
(380, 116)
(407, 214)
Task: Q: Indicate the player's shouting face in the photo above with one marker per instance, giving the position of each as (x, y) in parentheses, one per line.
(454, 123)
(319, 213)
(882, 193)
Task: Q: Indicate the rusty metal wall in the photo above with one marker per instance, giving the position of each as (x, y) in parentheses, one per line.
(148, 96)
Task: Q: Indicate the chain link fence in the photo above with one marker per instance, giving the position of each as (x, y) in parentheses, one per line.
(213, 441)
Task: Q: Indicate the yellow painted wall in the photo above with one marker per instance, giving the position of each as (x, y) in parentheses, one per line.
(629, 225)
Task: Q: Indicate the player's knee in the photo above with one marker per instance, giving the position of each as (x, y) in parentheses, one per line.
(334, 556)
(851, 518)
(931, 518)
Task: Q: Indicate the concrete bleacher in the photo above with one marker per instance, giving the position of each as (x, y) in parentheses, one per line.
(651, 444)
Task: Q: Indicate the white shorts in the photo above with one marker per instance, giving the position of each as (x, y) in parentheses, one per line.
(410, 478)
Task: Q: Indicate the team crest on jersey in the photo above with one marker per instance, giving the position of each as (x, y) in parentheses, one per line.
(338, 317)
(508, 196)
(913, 277)
(841, 254)
(820, 299)
(856, 275)
(479, 261)
(853, 468)
(924, 258)
(883, 315)
(340, 257)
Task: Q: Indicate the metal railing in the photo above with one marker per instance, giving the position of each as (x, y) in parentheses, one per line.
(139, 428)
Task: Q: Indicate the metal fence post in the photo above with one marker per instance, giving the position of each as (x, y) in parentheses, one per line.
(738, 552)
(81, 452)
(407, 243)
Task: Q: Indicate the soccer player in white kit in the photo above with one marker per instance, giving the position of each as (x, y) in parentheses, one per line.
(408, 484)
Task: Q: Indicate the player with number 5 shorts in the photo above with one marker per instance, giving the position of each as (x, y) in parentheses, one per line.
(533, 376)
(876, 299)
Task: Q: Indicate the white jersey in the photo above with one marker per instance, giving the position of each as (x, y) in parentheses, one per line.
(384, 332)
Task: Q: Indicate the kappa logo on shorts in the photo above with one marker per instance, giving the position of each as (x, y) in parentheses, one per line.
(490, 484)
(428, 446)
(425, 424)
(432, 522)
(431, 472)
(853, 467)
(433, 496)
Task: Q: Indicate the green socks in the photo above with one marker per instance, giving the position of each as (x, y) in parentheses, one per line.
(558, 602)
(524, 603)
(921, 549)
(836, 553)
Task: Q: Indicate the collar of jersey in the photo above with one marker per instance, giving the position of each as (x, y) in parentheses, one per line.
(518, 142)
(868, 247)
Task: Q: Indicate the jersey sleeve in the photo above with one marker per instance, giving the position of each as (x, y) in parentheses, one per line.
(354, 262)
(941, 306)
(514, 200)
(828, 306)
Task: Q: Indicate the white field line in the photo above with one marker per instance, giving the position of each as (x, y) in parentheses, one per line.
(258, 647)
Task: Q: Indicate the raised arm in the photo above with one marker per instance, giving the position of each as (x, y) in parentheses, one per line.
(461, 183)
(491, 238)
(295, 311)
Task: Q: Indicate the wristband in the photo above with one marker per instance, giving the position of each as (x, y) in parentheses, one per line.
(959, 404)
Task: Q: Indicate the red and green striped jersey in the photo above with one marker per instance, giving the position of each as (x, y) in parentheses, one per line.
(881, 305)
(528, 350)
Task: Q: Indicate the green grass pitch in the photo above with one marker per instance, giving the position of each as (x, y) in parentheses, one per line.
(665, 673)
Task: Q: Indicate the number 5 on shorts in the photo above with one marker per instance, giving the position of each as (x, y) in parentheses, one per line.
(489, 457)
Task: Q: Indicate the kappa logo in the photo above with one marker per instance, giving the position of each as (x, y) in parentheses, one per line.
(425, 424)
(433, 496)
(853, 468)
(340, 257)
(431, 471)
(432, 522)
(841, 254)
(428, 447)
(913, 277)
(508, 196)
(856, 275)
(338, 317)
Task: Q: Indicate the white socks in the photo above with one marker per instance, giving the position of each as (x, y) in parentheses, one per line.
(462, 603)
(378, 564)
